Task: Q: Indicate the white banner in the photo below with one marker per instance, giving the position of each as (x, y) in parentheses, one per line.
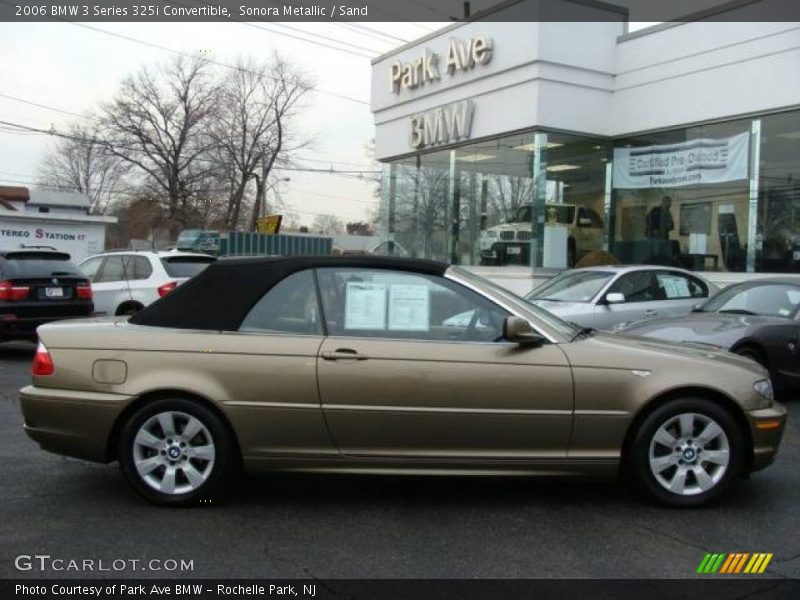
(687, 163)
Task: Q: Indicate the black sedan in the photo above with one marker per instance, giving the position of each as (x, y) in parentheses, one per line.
(758, 319)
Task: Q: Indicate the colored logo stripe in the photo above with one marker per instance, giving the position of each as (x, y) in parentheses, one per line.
(711, 563)
(734, 563)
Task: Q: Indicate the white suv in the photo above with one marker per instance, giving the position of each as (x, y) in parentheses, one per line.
(127, 281)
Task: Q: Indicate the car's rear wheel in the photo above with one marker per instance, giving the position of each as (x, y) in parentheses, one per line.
(176, 452)
(688, 452)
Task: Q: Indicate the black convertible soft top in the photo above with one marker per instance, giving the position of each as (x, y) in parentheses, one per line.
(220, 297)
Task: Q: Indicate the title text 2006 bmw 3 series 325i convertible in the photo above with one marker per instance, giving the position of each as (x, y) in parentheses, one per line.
(350, 365)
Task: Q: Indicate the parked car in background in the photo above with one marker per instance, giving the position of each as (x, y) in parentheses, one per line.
(125, 282)
(39, 286)
(509, 243)
(345, 364)
(198, 240)
(603, 297)
(758, 319)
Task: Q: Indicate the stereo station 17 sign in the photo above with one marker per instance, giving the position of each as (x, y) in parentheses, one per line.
(687, 163)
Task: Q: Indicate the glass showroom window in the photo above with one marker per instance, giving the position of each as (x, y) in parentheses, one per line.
(778, 230)
(683, 197)
(530, 198)
(415, 206)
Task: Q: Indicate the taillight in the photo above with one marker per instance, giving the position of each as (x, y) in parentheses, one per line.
(9, 291)
(165, 289)
(84, 291)
(42, 361)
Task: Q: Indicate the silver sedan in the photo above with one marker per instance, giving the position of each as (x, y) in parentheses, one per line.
(603, 297)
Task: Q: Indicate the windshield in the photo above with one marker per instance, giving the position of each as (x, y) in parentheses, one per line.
(548, 319)
(523, 215)
(577, 286)
(186, 266)
(767, 299)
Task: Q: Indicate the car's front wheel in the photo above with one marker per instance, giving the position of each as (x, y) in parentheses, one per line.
(176, 452)
(688, 451)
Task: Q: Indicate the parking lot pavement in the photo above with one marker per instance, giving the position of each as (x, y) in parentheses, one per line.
(337, 526)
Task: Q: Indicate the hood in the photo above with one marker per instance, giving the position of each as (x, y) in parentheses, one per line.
(718, 329)
(608, 350)
(521, 226)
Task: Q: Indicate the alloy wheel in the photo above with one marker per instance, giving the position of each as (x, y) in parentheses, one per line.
(173, 452)
(689, 454)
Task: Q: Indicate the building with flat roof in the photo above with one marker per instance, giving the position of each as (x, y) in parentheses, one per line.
(50, 218)
(534, 143)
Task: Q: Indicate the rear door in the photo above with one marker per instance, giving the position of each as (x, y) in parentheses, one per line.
(110, 285)
(398, 376)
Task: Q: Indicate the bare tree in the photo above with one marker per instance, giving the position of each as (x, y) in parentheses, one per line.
(257, 101)
(79, 161)
(327, 224)
(158, 123)
(511, 192)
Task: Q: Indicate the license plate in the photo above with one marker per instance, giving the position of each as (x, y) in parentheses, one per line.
(514, 250)
(54, 292)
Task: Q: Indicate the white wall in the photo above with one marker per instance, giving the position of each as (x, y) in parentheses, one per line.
(704, 71)
(78, 238)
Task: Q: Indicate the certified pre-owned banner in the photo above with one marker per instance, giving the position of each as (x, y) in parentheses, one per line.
(687, 163)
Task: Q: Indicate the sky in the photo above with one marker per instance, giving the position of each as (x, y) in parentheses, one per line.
(73, 68)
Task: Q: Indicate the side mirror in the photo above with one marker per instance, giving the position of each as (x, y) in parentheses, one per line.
(519, 331)
(615, 298)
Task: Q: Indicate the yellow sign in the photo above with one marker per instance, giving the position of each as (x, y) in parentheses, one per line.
(270, 225)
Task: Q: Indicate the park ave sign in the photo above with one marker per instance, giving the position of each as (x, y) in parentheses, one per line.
(452, 122)
(461, 56)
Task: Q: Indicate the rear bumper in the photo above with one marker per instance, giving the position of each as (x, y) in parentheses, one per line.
(13, 327)
(766, 428)
(70, 422)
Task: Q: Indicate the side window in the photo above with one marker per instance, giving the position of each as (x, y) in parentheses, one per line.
(137, 267)
(91, 266)
(674, 286)
(397, 305)
(113, 270)
(289, 307)
(589, 218)
(638, 286)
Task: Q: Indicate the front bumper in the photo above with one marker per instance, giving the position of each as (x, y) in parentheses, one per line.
(71, 422)
(766, 429)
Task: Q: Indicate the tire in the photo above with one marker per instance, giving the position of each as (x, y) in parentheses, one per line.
(129, 309)
(178, 468)
(752, 353)
(571, 253)
(662, 470)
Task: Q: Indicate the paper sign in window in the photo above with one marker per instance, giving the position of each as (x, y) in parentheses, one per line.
(675, 287)
(409, 307)
(365, 306)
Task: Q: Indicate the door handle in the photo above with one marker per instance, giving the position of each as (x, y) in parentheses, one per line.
(650, 313)
(342, 354)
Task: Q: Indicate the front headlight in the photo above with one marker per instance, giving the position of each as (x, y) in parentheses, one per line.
(764, 388)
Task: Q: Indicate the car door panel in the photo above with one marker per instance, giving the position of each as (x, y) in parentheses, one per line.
(432, 399)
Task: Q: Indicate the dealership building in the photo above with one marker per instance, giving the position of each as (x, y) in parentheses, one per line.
(534, 143)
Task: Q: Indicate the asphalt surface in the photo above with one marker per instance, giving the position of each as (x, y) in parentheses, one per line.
(378, 527)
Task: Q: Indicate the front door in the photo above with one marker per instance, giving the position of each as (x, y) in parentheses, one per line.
(415, 366)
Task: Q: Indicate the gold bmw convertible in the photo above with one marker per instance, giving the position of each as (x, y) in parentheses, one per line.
(368, 365)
